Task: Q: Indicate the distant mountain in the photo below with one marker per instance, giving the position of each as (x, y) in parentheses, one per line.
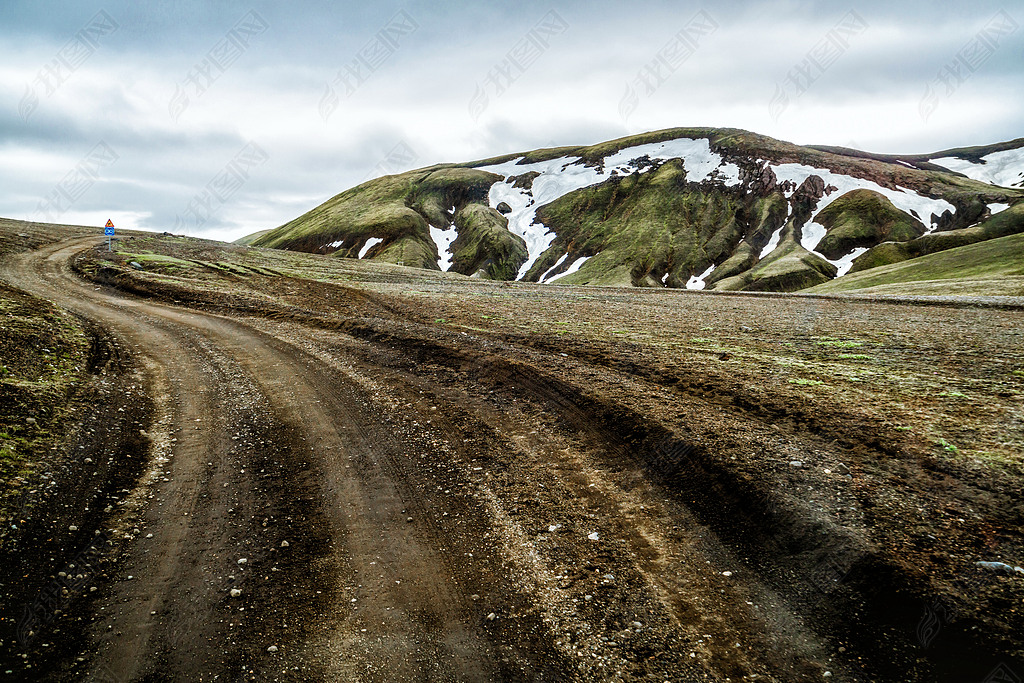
(700, 208)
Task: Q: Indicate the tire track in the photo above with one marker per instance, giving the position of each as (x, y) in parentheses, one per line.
(385, 605)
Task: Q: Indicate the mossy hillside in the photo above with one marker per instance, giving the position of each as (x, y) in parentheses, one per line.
(863, 218)
(397, 209)
(484, 245)
(743, 259)
(766, 216)
(603, 271)
(250, 239)
(440, 191)
(788, 268)
(987, 265)
(407, 250)
(350, 216)
(651, 224)
(1008, 222)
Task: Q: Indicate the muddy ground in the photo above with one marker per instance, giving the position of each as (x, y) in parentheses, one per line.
(320, 469)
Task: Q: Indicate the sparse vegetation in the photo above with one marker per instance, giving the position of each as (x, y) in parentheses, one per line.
(839, 344)
(43, 355)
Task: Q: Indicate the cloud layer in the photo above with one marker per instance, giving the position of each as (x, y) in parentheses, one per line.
(331, 94)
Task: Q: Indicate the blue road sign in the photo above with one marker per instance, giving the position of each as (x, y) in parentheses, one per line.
(109, 232)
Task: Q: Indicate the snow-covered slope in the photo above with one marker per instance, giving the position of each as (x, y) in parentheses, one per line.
(922, 208)
(1005, 168)
(561, 176)
(443, 240)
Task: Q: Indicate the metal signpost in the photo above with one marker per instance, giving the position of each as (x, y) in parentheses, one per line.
(109, 232)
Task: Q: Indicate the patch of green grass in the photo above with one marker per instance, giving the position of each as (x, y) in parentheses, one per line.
(948, 447)
(953, 394)
(901, 428)
(149, 258)
(855, 356)
(1019, 373)
(838, 344)
(701, 340)
(990, 267)
(805, 382)
(440, 321)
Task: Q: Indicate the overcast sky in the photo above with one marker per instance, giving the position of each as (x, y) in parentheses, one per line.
(220, 119)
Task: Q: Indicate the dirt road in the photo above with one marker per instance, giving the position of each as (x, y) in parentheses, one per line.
(351, 505)
(260, 442)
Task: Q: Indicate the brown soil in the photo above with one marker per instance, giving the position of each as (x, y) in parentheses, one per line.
(432, 478)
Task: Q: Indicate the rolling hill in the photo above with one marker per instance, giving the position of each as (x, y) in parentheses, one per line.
(992, 267)
(698, 208)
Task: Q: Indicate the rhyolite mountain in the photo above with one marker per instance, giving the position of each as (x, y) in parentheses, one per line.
(721, 209)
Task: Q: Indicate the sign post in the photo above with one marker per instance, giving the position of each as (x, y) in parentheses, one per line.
(108, 230)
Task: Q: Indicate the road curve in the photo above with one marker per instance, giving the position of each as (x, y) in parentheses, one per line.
(216, 380)
(320, 507)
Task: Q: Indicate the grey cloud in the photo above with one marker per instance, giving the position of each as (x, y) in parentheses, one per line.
(420, 94)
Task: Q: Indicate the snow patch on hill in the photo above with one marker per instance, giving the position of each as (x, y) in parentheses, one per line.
(559, 177)
(773, 242)
(559, 262)
(1005, 169)
(697, 281)
(902, 198)
(812, 235)
(443, 240)
(844, 264)
(370, 244)
(572, 268)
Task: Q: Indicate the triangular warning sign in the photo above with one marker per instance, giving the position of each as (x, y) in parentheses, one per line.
(109, 224)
